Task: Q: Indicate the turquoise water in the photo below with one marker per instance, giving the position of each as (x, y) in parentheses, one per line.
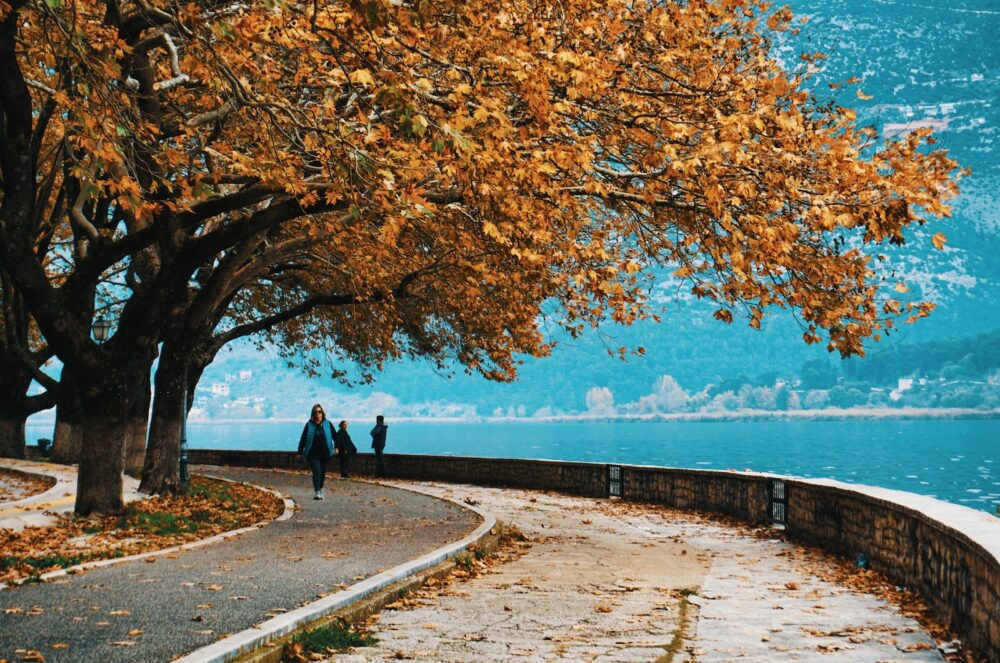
(954, 460)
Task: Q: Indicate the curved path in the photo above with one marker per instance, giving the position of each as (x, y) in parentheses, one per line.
(157, 610)
(615, 581)
(37, 510)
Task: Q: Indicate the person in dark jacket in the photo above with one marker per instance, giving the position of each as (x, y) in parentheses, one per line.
(378, 444)
(316, 446)
(344, 447)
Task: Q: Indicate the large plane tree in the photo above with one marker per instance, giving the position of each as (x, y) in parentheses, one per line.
(549, 153)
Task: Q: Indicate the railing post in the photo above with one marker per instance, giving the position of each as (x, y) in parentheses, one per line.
(777, 497)
(614, 481)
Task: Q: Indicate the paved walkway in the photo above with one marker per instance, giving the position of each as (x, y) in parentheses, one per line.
(38, 510)
(606, 581)
(142, 611)
(17, 485)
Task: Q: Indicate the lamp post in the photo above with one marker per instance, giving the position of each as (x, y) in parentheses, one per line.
(102, 328)
(184, 440)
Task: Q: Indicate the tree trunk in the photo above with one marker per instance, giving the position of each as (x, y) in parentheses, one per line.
(66, 440)
(161, 472)
(102, 459)
(135, 431)
(108, 397)
(11, 435)
(135, 445)
(68, 435)
(14, 383)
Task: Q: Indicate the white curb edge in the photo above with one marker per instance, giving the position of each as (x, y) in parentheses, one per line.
(288, 512)
(253, 638)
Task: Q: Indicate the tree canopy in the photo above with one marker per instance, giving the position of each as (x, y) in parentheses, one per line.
(434, 178)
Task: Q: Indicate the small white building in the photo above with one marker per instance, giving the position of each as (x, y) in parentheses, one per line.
(246, 375)
(220, 389)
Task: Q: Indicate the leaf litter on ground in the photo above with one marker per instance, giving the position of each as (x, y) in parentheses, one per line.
(210, 507)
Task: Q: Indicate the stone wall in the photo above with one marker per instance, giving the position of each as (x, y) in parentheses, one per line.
(738, 495)
(953, 571)
(584, 479)
(948, 553)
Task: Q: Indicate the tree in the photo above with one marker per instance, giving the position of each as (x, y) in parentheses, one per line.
(574, 145)
(818, 374)
(22, 355)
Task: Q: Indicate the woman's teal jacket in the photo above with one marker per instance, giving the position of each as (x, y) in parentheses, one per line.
(309, 432)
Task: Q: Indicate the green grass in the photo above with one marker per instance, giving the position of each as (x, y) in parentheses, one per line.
(42, 562)
(166, 524)
(332, 638)
(161, 524)
(465, 560)
(683, 624)
(218, 490)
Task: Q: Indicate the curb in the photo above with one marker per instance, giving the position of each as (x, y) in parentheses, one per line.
(252, 639)
(287, 513)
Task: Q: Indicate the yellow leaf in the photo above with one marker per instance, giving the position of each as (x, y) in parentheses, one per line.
(939, 240)
(362, 77)
(902, 287)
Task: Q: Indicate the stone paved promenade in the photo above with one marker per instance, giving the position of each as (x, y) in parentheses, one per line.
(176, 604)
(605, 581)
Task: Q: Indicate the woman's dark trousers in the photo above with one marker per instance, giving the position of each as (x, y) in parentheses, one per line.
(318, 465)
(379, 462)
(345, 460)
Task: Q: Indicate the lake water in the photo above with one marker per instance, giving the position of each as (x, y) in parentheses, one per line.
(953, 459)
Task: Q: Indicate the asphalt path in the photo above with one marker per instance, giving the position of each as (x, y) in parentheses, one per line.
(141, 611)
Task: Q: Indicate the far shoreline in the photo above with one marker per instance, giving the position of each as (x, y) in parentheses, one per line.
(828, 414)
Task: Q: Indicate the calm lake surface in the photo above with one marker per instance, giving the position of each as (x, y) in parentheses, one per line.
(953, 459)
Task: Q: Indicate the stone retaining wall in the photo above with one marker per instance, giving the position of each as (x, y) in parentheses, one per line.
(584, 479)
(953, 567)
(948, 553)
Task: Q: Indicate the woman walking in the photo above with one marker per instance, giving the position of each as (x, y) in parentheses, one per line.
(345, 448)
(316, 446)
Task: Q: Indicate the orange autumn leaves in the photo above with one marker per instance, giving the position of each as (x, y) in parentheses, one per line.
(211, 507)
(461, 165)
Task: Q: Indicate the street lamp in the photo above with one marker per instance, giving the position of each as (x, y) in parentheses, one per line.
(184, 435)
(102, 328)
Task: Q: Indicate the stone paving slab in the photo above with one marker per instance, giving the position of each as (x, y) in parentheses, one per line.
(604, 581)
(174, 605)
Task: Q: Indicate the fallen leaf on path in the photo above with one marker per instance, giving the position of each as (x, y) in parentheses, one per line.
(136, 631)
(60, 645)
(123, 643)
(119, 612)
